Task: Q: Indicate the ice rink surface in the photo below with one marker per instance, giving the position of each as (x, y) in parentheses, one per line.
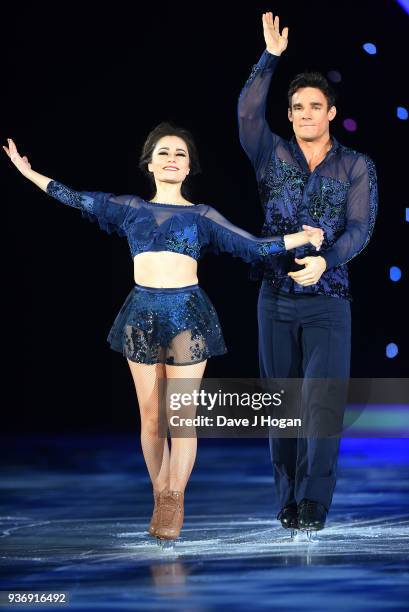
(74, 513)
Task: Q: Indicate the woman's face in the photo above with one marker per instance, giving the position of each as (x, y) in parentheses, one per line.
(170, 160)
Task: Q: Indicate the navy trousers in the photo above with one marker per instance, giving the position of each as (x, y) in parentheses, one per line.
(304, 336)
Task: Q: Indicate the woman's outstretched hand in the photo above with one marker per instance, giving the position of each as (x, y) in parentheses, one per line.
(315, 235)
(276, 43)
(21, 163)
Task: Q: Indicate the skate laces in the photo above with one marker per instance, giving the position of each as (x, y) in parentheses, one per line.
(171, 504)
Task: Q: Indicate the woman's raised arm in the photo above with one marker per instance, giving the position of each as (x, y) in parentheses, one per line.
(107, 209)
(23, 165)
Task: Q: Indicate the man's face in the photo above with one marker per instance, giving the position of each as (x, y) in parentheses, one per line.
(309, 114)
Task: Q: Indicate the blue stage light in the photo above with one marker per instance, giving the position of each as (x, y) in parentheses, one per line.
(395, 273)
(402, 113)
(404, 4)
(369, 48)
(391, 350)
(407, 214)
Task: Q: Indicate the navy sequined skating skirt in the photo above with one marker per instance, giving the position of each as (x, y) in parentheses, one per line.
(175, 326)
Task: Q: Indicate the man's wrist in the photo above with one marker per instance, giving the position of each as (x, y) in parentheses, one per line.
(331, 258)
(271, 52)
(267, 61)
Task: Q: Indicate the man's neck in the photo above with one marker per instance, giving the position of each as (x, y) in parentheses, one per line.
(315, 150)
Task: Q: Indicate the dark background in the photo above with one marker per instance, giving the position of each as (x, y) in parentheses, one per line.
(82, 88)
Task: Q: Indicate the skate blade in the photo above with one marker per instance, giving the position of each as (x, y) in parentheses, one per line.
(299, 535)
(310, 534)
(165, 544)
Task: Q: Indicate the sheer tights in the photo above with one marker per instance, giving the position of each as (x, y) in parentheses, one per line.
(168, 467)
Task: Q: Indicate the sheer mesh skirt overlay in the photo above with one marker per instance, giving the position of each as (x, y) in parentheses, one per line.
(175, 326)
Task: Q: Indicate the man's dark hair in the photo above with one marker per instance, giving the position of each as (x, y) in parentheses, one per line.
(311, 79)
(169, 129)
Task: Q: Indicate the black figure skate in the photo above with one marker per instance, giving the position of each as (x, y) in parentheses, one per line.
(289, 518)
(311, 516)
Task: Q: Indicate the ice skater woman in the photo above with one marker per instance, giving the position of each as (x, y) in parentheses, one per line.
(167, 327)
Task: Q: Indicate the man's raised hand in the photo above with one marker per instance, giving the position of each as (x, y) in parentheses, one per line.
(276, 43)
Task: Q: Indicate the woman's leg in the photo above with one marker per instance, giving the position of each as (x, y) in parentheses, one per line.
(155, 449)
(180, 379)
(183, 450)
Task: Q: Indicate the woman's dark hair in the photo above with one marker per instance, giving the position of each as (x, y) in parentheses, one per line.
(311, 79)
(169, 129)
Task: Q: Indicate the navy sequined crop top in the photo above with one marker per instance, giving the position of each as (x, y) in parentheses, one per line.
(150, 226)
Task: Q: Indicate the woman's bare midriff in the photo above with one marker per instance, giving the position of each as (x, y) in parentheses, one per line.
(163, 269)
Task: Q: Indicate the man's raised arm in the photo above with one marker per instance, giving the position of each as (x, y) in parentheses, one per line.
(255, 135)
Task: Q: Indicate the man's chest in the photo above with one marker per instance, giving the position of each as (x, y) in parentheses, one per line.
(292, 196)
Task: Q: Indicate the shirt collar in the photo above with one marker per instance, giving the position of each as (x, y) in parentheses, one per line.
(299, 155)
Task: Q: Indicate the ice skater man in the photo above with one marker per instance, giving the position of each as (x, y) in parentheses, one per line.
(304, 302)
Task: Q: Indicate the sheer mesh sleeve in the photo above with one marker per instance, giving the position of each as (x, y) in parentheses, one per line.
(107, 209)
(362, 206)
(223, 236)
(255, 135)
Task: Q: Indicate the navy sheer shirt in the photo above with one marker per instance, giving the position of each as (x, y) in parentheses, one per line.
(340, 195)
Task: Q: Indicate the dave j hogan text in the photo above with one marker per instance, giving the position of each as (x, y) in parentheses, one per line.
(223, 421)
